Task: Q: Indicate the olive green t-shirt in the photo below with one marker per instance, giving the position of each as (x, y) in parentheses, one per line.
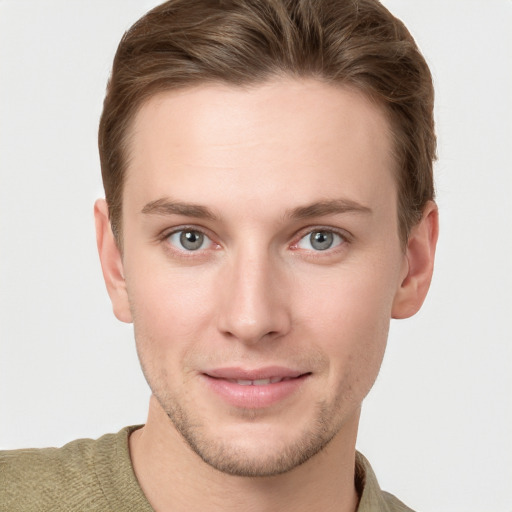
(97, 476)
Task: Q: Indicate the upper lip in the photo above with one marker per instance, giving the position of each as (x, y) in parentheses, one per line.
(238, 373)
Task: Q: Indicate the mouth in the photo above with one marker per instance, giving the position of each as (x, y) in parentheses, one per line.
(255, 377)
(261, 382)
(255, 389)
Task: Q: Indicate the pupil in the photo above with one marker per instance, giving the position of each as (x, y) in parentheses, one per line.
(321, 240)
(191, 240)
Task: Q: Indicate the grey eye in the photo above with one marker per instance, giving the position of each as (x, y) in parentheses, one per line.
(320, 240)
(188, 240)
(191, 240)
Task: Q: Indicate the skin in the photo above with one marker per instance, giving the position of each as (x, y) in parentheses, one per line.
(256, 171)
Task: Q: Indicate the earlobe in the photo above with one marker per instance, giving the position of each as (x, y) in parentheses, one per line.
(111, 263)
(420, 253)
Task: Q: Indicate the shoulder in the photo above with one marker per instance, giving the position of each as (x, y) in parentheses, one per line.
(394, 504)
(58, 479)
(372, 498)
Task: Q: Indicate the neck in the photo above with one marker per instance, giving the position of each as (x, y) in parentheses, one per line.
(173, 477)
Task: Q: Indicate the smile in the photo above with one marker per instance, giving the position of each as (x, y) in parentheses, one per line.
(254, 389)
(260, 382)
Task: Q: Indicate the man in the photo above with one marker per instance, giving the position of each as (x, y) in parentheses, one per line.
(269, 208)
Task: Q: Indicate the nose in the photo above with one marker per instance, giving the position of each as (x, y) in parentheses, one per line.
(254, 303)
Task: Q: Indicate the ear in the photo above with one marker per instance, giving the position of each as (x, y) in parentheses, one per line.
(418, 264)
(111, 263)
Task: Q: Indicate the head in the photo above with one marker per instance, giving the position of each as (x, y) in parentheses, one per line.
(267, 167)
(356, 43)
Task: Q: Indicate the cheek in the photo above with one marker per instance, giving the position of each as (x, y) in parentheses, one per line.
(350, 322)
(350, 299)
(171, 311)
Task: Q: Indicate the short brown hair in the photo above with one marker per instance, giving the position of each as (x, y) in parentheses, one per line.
(349, 42)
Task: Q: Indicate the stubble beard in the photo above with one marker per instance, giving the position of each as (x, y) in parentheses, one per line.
(327, 418)
(236, 461)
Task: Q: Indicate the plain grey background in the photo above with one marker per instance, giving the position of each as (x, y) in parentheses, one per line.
(436, 427)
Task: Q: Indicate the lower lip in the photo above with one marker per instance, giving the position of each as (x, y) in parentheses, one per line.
(254, 397)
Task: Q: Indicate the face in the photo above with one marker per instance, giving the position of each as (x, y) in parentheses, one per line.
(262, 260)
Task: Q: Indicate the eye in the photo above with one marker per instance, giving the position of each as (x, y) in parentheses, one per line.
(320, 240)
(189, 240)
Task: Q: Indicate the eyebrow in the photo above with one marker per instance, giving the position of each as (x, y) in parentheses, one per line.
(328, 207)
(165, 206)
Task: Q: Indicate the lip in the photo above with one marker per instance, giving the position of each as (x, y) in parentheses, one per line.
(267, 372)
(247, 395)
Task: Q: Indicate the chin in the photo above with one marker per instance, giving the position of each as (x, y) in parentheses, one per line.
(256, 449)
(256, 461)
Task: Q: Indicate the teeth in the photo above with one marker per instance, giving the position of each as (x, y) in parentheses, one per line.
(259, 382)
(244, 382)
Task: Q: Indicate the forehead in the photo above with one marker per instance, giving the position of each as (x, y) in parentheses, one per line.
(289, 136)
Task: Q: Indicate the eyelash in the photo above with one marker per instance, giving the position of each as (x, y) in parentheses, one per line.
(184, 229)
(345, 238)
